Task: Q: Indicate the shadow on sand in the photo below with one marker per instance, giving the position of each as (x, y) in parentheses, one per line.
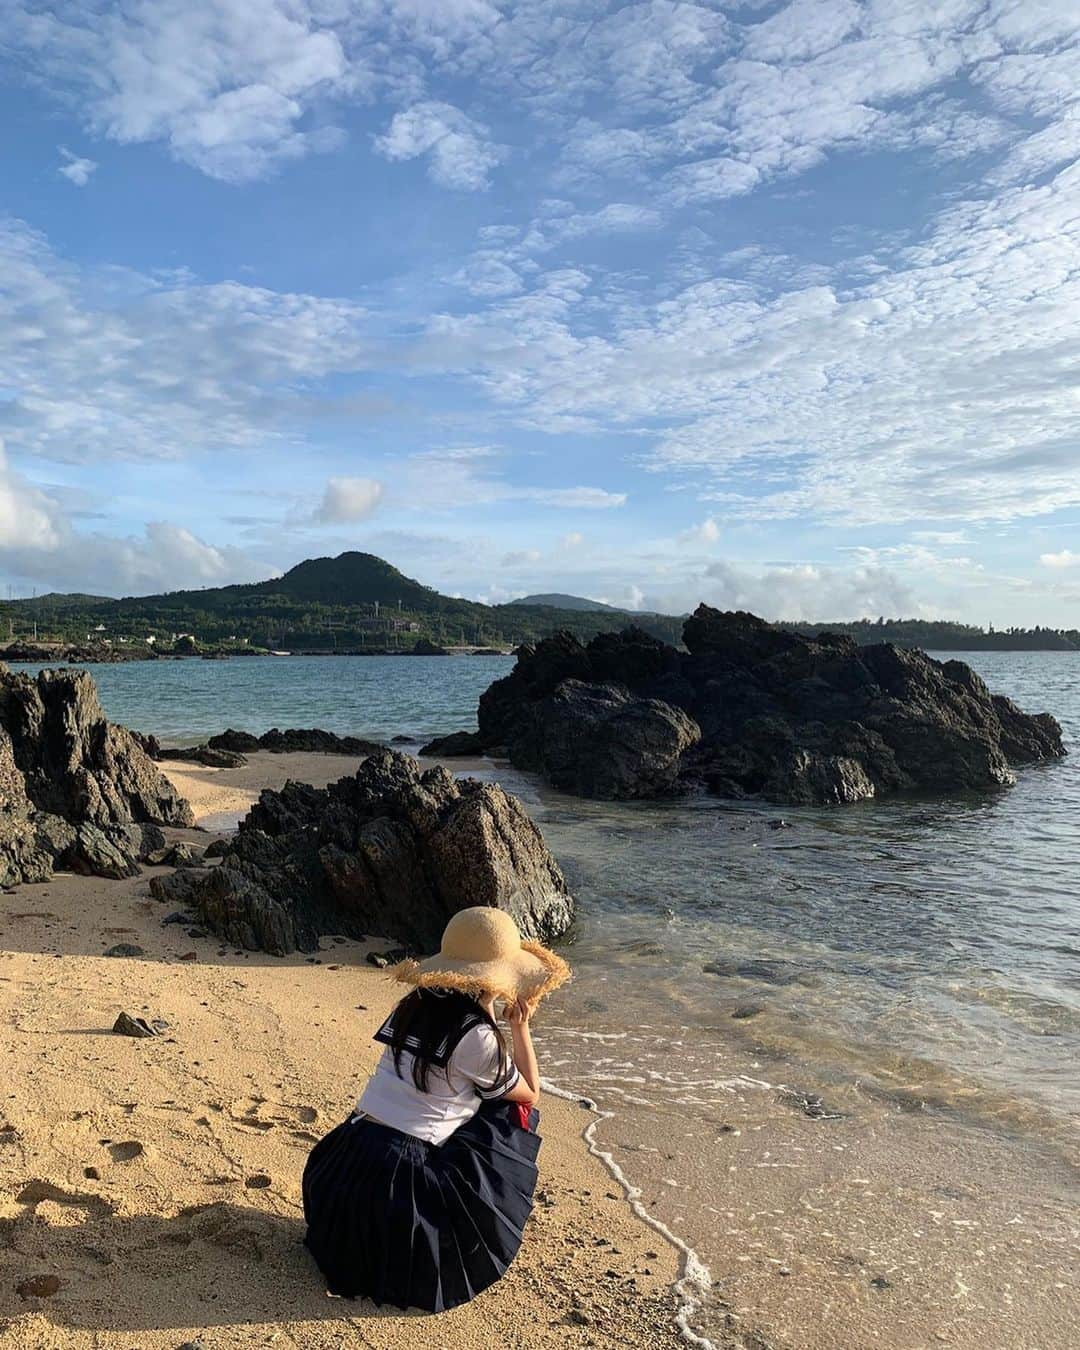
(217, 1264)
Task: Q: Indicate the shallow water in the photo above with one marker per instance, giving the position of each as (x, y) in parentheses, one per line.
(893, 962)
(378, 696)
(929, 944)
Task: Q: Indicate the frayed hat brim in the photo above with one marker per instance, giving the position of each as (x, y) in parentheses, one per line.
(508, 979)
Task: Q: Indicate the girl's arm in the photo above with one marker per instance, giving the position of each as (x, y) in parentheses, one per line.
(527, 1088)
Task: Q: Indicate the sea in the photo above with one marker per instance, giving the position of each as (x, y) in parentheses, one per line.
(896, 982)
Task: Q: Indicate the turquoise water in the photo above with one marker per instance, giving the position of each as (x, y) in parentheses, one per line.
(376, 696)
(922, 946)
(915, 962)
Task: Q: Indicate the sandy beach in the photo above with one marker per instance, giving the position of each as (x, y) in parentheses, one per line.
(151, 1188)
(219, 797)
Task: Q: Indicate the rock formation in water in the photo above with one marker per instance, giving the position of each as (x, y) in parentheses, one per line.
(750, 710)
(311, 740)
(392, 851)
(76, 791)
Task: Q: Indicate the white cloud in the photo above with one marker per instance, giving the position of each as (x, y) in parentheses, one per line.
(707, 533)
(720, 102)
(117, 364)
(74, 168)
(28, 518)
(1066, 558)
(789, 591)
(576, 498)
(521, 557)
(450, 479)
(486, 275)
(942, 388)
(574, 539)
(39, 543)
(228, 85)
(348, 499)
(460, 150)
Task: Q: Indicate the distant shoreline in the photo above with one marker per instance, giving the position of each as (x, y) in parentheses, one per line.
(79, 657)
(67, 657)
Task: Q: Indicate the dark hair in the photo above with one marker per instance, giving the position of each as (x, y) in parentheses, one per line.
(428, 1023)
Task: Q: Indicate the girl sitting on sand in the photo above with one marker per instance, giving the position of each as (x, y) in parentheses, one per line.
(420, 1198)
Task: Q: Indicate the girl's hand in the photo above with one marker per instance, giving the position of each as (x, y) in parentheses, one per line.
(519, 1012)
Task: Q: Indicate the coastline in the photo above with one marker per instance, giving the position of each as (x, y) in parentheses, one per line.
(872, 1224)
(158, 1180)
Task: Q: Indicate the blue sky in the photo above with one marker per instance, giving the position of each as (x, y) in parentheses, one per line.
(775, 305)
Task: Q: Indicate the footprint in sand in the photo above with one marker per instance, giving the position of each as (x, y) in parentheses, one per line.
(38, 1192)
(125, 1151)
(258, 1113)
(38, 1286)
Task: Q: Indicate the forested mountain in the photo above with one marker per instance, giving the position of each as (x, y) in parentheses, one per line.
(355, 601)
(358, 602)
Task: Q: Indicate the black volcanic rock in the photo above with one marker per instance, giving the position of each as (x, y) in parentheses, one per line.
(210, 756)
(391, 850)
(598, 740)
(459, 744)
(311, 739)
(238, 742)
(76, 791)
(749, 710)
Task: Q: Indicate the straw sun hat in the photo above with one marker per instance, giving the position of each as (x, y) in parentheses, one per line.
(482, 953)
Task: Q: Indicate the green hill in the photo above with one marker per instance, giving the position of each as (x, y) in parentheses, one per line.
(555, 600)
(358, 602)
(355, 601)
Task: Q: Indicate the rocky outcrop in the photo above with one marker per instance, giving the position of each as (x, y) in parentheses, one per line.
(598, 740)
(749, 710)
(312, 740)
(392, 850)
(207, 755)
(76, 791)
(50, 653)
(458, 745)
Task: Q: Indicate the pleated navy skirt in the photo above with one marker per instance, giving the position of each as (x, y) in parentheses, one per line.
(403, 1222)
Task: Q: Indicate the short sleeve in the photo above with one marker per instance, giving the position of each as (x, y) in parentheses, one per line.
(477, 1058)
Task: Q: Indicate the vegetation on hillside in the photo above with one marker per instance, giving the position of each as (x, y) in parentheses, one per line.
(357, 602)
(354, 602)
(946, 635)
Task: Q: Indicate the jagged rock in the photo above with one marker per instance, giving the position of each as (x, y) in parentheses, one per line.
(392, 850)
(148, 743)
(313, 740)
(185, 855)
(242, 742)
(457, 744)
(176, 855)
(310, 740)
(598, 740)
(96, 853)
(75, 790)
(138, 1027)
(217, 848)
(212, 756)
(750, 710)
(125, 949)
(425, 647)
